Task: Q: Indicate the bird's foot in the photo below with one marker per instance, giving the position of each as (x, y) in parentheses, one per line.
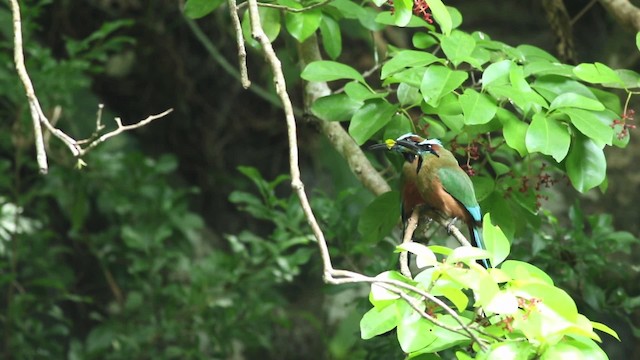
(450, 224)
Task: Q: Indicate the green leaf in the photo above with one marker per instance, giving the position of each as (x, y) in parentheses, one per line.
(335, 107)
(597, 73)
(326, 70)
(303, 24)
(370, 118)
(504, 302)
(534, 53)
(630, 79)
(590, 125)
(477, 108)
(379, 217)
(196, 9)
(406, 59)
(422, 40)
(638, 40)
(574, 347)
(400, 124)
(514, 131)
(604, 328)
(554, 299)
(575, 101)
(495, 241)
(424, 256)
(520, 350)
(359, 92)
(403, 12)
(548, 136)
(441, 16)
(348, 9)
(458, 46)
(270, 20)
(483, 185)
(331, 36)
(439, 81)
(520, 270)
(452, 292)
(378, 321)
(414, 332)
(381, 297)
(540, 68)
(586, 164)
(497, 73)
(408, 95)
(411, 76)
(525, 97)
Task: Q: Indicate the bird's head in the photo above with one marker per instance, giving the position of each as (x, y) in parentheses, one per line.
(411, 146)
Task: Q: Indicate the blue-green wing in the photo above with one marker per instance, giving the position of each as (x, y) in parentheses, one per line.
(457, 183)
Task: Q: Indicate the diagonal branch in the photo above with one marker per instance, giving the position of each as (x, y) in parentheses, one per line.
(627, 14)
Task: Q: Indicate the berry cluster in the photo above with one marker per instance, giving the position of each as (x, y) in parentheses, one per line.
(627, 116)
(536, 183)
(420, 8)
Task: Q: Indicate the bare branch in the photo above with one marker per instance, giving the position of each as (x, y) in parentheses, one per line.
(335, 133)
(287, 8)
(281, 89)
(122, 128)
(242, 52)
(34, 105)
(455, 232)
(625, 13)
(410, 228)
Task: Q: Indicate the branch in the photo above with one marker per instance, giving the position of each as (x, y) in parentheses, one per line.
(121, 128)
(335, 133)
(412, 224)
(455, 232)
(625, 13)
(34, 105)
(287, 8)
(242, 52)
(38, 117)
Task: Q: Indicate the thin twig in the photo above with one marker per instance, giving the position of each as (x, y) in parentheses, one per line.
(583, 11)
(242, 52)
(410, 228)
(287, 8)
(455, 232)
(122, 128)
(281, 89)
(34, 105)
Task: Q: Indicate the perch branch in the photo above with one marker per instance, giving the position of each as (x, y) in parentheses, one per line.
(412, 224)
(455, 232)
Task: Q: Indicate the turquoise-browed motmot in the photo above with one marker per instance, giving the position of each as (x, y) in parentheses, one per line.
(431, 176)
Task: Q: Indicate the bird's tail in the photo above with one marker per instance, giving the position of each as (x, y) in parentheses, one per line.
(477, 242)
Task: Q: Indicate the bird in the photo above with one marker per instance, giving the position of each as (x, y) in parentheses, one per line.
(431, 176)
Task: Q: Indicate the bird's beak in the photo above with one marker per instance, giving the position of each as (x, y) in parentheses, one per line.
(388, 144)
(408, 145)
